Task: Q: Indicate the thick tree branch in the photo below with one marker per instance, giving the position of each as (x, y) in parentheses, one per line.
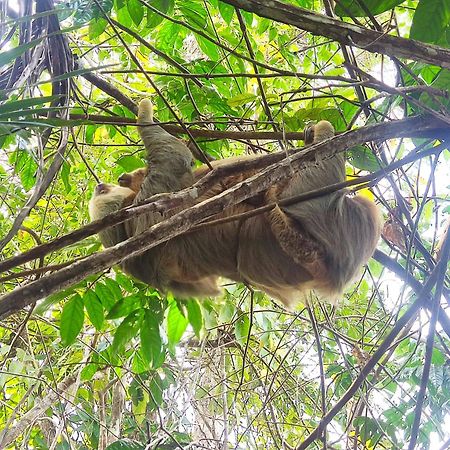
(346, 33)
(186, 219)
(163, 202)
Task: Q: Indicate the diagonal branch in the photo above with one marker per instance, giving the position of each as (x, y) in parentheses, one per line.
(346, 33)
(423, 298)
(185, 220)
(164, 202)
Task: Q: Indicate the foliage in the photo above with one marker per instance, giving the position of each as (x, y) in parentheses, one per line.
(110, 362)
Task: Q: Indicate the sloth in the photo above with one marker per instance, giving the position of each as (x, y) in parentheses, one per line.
(318, 244)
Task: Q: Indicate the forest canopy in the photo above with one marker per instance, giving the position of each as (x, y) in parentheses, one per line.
(90, 357)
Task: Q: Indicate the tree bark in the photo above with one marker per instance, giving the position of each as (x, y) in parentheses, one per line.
(346, 33)
(183, 221)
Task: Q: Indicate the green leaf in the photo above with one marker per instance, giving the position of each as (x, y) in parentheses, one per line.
(28, 114)
(97, 27)
(89, 133)
(72, 317)
(207, 47)
(124, 282)
(126, 331)
(21, 105)
(241, 99)
(26, 18)
(151, 343)
(348, 8)
(94, 309)
(119, 4)
(10, 55)
(369, 429)
(65, 176)
(176, 325)
(263, 25)
(248, 17)
(7, 137)
(227, 311)
(273, 32)
(195, 316)
(25, 166)
(138, 365)
(136, 10)
(430, 20)
(226, 11)
(125, 306)
(89, 371)
(165, 6)
(126, 444)
(45, 304)
(153, 19)
(130, 163)
(86, 10)
(362, 158)
(156, 389)
(105, 296)
(168, 34)
(437, 357)
(114, 288)
(194, 14)
(123, 16)
(242, 329)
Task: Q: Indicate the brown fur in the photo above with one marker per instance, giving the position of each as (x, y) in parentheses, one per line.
(133, 180)
(318, 244)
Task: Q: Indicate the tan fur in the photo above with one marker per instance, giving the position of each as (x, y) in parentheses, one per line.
(319, 244)
(133, 180)
(118, 197)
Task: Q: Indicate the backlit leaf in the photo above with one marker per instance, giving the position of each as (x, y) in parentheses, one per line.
(72, 318)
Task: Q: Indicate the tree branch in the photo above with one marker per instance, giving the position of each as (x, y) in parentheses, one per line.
(183, 221)
(346, 33)
(196, 133)
(433, 128)
(423, 298)
(164, 202)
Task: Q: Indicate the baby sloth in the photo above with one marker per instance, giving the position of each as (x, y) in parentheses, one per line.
(319, 244)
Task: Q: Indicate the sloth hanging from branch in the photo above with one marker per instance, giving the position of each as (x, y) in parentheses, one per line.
(318, 244)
